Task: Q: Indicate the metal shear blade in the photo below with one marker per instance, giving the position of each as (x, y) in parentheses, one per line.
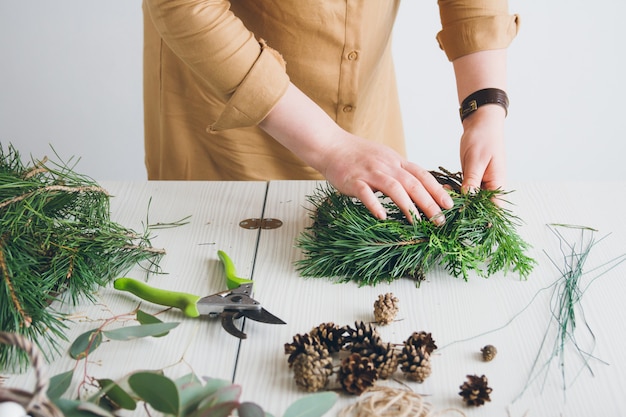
(233, 304)
(262, 315)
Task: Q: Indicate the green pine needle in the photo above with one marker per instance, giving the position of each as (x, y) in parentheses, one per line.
(347, 243)
(568, 334)
(56, 240)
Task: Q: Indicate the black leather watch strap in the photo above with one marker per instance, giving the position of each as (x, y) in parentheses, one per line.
(482, 97)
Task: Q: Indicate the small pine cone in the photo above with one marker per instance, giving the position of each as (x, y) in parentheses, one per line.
(418, 274)
(385, 308)
(357, 374)
(415, 360)
(304, 343)
(489, 352)
(311, 371)
(475, 390)
(363, 336)
(383, 355)
(386, 360)
(330, 335)
(415, 363)
(419, 339)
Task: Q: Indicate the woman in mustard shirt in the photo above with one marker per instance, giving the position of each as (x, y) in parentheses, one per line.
(292, 89)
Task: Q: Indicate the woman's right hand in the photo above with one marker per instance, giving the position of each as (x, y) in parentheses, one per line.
(359, 168)
(355, 166)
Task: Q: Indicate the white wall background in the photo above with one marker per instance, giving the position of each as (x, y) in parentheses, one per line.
(71, 78)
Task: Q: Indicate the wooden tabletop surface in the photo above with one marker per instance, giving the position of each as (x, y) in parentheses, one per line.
(512, 314)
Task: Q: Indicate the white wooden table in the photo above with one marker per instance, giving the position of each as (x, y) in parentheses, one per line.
(505, 311)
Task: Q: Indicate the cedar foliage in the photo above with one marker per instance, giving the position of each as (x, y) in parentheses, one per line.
(347, 243)
(57, 241)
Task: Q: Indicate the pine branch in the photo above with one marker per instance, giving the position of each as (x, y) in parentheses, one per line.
(56, 241)
(347, 243)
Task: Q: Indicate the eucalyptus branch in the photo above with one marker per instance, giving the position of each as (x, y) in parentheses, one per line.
(345, 242)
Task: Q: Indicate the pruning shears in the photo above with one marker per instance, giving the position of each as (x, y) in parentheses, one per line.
(229, 305)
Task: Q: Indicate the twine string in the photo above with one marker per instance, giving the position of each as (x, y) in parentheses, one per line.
(394, 402)
(55, 188)
(38, 404)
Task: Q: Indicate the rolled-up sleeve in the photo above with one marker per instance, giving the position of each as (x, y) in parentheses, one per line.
(475, 25)
(248, 75)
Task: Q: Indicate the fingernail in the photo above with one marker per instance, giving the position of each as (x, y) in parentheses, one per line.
(439, 219)
(470, 190)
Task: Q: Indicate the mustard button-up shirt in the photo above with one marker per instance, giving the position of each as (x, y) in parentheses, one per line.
(214, 69)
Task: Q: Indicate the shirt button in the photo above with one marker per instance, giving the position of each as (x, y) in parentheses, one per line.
(353, 55)
(347, 109)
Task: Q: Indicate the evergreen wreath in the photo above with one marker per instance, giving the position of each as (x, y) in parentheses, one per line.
(347, 243)
(56, 240)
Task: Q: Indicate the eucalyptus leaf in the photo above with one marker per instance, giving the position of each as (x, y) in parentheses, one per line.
(143, 330)
(193, 393)
(222, 409)
(227, 393)
(145, 318)
(59, 384)
(187, 380)
(249, 409)
(157, 390)
(191, 397)
(216, 383)
(314, 405)
(117, 395)
(94, 409)
(74, 408)
(85, 344)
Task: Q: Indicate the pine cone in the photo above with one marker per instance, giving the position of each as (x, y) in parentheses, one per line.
(415, 363)
(385, 308)
(366, 341)
(304, 343)
(419, 339)
(383, 355)
(385, 358)
(489, 352)
(418, 274)
(312, 370)
(475, 390)
(363, 336)
(357, 374)
(330, 335)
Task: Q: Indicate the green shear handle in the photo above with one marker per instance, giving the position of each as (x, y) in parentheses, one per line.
(187, 303)
(232, 280)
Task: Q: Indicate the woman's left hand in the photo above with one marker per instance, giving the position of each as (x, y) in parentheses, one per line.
(482, 150)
